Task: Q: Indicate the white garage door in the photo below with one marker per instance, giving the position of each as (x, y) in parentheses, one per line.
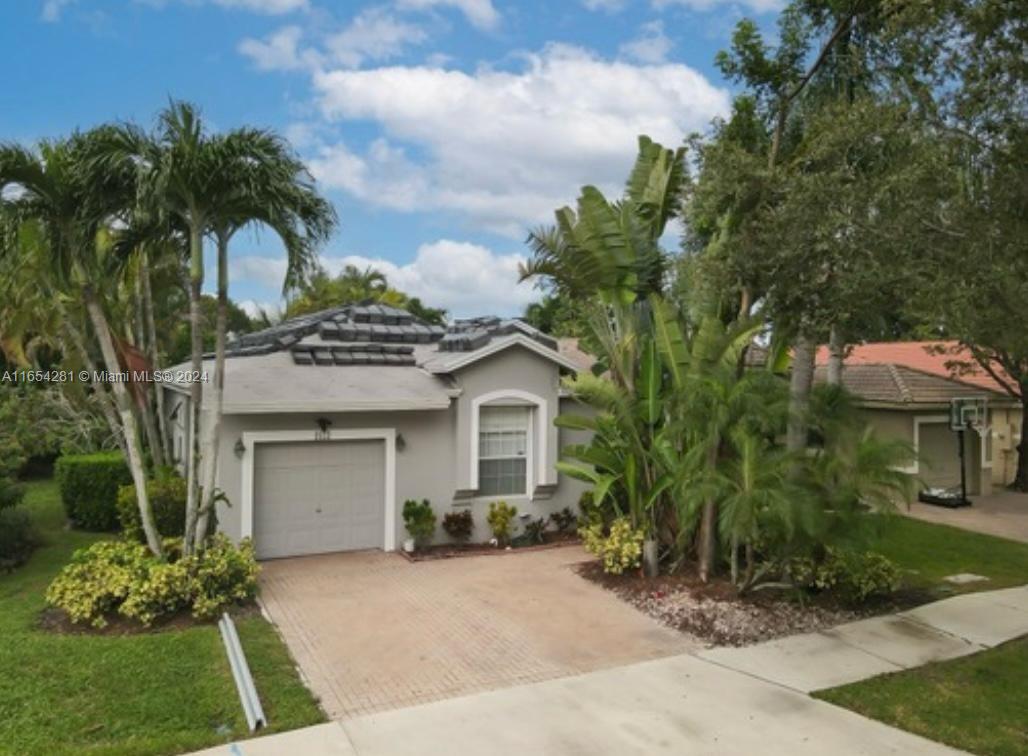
(317, 497)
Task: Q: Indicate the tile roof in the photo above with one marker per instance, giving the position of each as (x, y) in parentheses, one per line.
(376, 334)
(902, 385)
(927, 356)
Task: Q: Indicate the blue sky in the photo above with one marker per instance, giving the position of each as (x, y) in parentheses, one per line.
(441, 129)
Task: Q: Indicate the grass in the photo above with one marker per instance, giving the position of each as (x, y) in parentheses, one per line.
(977, 703)
(930, 552)
(156, 693)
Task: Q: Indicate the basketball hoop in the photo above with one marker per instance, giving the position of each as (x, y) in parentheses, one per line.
(969, 412)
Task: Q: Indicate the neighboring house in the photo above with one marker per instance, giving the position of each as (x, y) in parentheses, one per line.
(333, 420)
(906, 389)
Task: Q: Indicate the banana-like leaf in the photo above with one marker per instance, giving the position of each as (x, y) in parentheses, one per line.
(649, 385)
(669, 340)
(575, 422)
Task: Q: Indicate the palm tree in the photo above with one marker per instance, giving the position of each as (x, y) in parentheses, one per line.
(261, 183)
(73, 200)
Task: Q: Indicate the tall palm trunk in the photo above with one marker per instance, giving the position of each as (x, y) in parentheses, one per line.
(210, 454)
(107, 406)
(196, 386)
(800, 384)
(128, 420)
(836, 350)
(161, 452)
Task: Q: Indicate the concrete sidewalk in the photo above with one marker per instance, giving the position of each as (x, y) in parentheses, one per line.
(728, 700)
(934, 632)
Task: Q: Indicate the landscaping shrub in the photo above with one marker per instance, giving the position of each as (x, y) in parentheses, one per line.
(855, 576)
(501, 521)
(89, 486)
(458, 525)
(565, 519)
(167, 494)
(620, 548)
(123, 577)
(18, 537)
(419, 520)
(534, 530)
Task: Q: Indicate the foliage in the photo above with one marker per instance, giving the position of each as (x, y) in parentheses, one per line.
(459, 525)
(156, 692)
(43, 422)
(11, 493)
(420, 520)
(565, 519)
(167, 499)
(18, 537)
(352, 286)
(855, 576)
(89, 486)
(178, 338)
(123, 577)
(501, 521)
(535, 530)
(619, 548)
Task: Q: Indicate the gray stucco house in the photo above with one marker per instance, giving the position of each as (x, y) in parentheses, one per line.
(333, 420)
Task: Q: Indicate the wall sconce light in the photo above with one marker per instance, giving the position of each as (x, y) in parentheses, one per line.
(239, 448)
(401, 442)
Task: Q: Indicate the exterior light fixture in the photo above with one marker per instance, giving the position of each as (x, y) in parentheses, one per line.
(239, 448)
(401, 442)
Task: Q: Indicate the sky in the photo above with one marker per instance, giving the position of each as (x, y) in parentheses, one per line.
(442, 130)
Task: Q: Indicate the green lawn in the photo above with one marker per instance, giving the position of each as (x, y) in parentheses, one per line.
(978, 703)
(157, 693)
(930, 552)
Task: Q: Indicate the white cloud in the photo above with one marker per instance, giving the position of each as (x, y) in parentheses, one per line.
(506, 148)
(465, 279)
(757, 6)
(52, 10)
(266, 271)
(479, 13)
(374, 34)
(255, 309)
(651, 46)
(278, 51)
(610, 6)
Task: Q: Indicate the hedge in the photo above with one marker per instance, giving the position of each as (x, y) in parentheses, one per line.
(89, 486)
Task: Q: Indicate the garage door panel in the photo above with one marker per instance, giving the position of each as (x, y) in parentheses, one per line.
(312, 498)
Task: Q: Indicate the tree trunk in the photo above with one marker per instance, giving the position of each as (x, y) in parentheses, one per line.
(210, 454)
(163, 456)
(1021, 479)
(128, 419)
(708, 526)
(800, 383)
(107, 406)
(836, 353)
(196, 386)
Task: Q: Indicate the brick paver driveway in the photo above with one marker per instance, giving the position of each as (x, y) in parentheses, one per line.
(372, 631)
(1003, 514)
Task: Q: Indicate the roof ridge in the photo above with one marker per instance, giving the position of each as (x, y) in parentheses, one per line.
(949, 378)
(900, 383)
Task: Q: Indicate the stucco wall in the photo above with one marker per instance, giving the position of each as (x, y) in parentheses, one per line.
(435, 461)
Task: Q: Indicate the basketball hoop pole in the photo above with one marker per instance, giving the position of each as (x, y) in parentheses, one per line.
(963, 472)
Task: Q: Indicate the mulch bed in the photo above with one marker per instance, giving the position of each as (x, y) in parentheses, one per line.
(714, 613)
(54, 620)
(551, 540)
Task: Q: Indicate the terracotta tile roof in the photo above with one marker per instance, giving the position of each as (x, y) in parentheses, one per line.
(920, 355)
(570, 348)
(902, 385)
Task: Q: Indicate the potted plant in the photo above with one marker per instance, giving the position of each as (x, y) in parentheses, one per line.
(419, 519)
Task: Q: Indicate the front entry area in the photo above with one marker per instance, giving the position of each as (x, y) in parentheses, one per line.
(318, 497)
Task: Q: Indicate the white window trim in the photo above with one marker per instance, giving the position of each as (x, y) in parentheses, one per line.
(536, 468)
(915, 467)
(388, 435)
